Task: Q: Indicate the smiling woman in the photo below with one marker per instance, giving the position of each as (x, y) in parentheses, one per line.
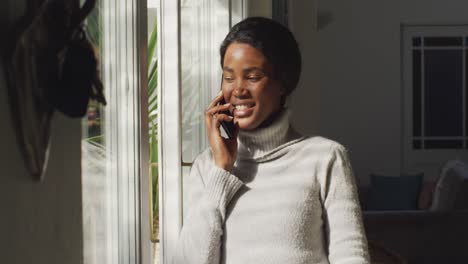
(270, 194)
(249, 86)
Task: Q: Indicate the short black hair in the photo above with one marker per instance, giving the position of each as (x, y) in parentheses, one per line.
(276, 43)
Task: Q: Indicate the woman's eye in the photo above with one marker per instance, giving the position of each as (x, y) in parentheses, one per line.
(228, 79)
(254, 78)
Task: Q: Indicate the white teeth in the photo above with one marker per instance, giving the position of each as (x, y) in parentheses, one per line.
(242, 107)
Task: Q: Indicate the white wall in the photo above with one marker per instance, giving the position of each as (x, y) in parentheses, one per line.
(359, 68)
(261, 8)
(40, 222)
(305, 100)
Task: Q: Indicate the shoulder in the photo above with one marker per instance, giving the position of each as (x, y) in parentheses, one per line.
(322, 146)
(319, 153)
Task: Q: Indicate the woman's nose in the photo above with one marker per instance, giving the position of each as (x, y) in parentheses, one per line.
(240, 89)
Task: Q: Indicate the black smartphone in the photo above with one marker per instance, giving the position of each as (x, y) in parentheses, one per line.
(228, 127)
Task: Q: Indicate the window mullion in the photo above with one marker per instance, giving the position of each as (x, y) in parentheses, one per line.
(169, 131)
(463, 91)
(423, 101)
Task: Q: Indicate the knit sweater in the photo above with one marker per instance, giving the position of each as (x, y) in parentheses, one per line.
(289, 199)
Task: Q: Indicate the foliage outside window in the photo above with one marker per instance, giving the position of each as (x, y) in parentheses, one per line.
(153, 126)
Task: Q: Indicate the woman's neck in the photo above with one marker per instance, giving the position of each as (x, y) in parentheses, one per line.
(260, 142)
(272, 117)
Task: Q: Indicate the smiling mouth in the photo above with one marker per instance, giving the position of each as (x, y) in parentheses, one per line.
(243, 110)
(243, 106)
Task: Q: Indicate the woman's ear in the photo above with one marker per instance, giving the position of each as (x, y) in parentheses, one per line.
(283, 90)
(283, 93)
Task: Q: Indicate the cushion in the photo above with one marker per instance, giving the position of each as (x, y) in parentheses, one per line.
(425, 196)
(461, 203)
(394, 192)
(453, 173)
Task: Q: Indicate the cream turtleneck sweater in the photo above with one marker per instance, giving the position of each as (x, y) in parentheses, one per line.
(289, 199)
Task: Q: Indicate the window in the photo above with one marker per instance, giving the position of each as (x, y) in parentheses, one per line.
(116, 143)
(439, 104)
(435, 108)
(115, 156)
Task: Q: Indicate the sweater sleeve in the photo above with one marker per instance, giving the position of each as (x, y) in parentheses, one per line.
(200, 238)
(347, 242)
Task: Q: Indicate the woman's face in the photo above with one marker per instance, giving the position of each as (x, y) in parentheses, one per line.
(249, 86)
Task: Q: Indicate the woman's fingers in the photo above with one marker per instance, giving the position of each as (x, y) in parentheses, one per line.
(218, 108)
(213, 107)
(213, 121)
(215, 101)
(224, 150)
(221, 117)
(216, 119)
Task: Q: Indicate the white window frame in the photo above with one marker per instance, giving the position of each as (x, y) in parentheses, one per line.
(124, 75)
(428, 160)
(169, 130)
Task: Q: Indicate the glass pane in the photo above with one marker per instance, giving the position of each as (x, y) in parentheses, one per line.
(443, 92)
(443, 41)
(417, 76)
(204, 24)
(96, 189)
(194, 57)
(443, 144)
(153, 116)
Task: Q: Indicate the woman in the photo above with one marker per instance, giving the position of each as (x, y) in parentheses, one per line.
(268, 195)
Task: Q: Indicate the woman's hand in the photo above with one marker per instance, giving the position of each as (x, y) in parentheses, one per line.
(224, 150)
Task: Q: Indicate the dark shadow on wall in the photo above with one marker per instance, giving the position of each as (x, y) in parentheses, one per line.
(5, 24)
(11, 12)
(10, 157)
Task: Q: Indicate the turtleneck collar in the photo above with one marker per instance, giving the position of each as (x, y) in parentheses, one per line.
(265, 143)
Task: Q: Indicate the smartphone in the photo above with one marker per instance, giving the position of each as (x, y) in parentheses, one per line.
(228, 127)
